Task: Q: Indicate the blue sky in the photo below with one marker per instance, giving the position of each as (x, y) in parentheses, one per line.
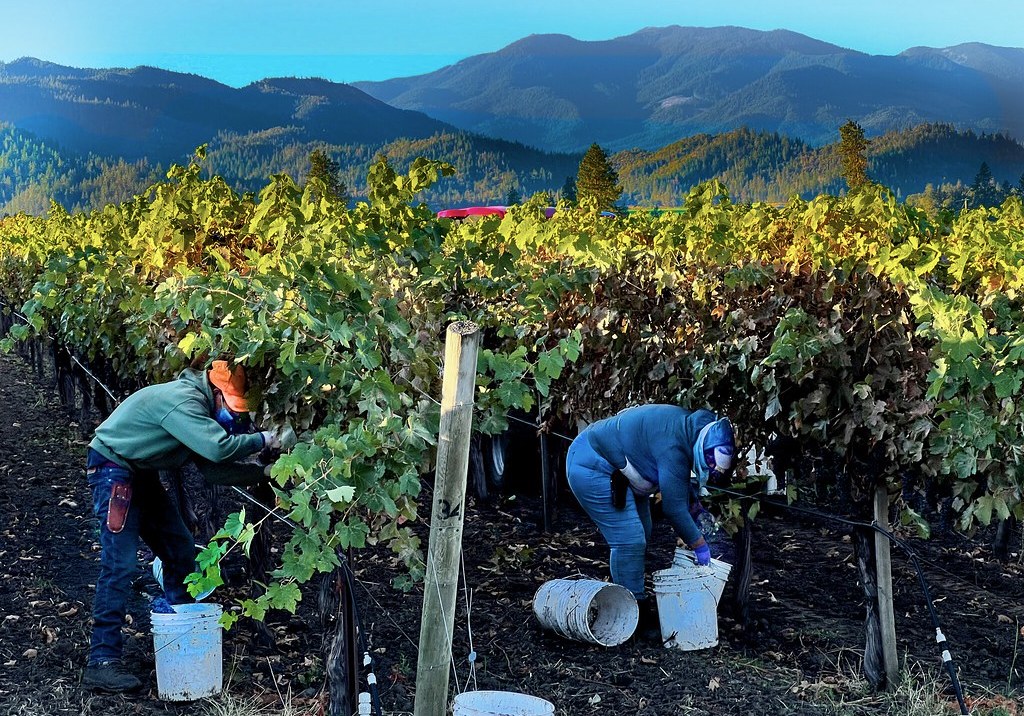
(239, 42)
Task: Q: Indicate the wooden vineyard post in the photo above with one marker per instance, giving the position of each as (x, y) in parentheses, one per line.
(446, 519)
(883, 573)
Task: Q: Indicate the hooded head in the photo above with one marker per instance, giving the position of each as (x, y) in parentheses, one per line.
(714, 452)
(231, 383)
(230, 408)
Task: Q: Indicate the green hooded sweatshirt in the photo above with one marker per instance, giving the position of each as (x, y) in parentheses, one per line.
(161, 427)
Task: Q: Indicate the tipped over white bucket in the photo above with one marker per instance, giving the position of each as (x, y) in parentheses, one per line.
(587, 610)
(189, 652)
(500, 703)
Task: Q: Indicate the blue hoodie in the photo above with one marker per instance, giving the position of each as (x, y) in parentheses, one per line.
(658, 441)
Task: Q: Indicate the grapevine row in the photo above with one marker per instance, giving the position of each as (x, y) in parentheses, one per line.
(869, 331)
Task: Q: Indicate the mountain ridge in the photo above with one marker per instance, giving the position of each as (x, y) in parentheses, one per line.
(548, 91)
(720, 93)
(163, 115)
(679, 81)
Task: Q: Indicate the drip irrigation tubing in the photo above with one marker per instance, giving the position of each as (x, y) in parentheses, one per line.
(75, 360)
(350, 583)
(940, 638)
(96, 380)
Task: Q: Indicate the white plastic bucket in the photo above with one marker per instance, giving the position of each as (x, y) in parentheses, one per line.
(687, 608)
(188, 650)
(685, 559)
(500, 703)
(587, 610)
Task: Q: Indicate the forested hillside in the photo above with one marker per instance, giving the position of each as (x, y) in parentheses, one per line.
(747, 162)
(755, 166)
(767, 166)
(487, 170)
(33, 173)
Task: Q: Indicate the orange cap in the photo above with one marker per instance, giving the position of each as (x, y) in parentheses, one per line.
(231, 383)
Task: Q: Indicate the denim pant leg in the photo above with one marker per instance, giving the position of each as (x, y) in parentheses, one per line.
(166, 534)
(118, 559)
(625, 530)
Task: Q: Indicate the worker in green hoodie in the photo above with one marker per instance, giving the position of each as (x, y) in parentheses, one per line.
(202, 416)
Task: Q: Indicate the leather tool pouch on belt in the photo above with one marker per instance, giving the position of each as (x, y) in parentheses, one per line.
(117, 510)
(620, 483)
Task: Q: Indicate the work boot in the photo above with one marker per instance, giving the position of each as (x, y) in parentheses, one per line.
(109, 676)
(648, 628)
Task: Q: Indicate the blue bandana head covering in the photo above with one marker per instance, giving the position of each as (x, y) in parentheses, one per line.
(233, 423)
(714, 452)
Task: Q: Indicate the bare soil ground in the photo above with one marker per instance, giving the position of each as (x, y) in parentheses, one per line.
(800, 655)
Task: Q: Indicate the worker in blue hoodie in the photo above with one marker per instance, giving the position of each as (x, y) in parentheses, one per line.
(617, 464)
(202, 417)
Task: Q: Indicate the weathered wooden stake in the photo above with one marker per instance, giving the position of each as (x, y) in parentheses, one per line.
(883, 573)
(446, 518)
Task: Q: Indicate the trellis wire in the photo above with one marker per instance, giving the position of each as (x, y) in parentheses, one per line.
(349, 575)
(940, 638)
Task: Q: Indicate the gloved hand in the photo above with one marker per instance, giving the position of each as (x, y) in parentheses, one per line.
(282, 438)
(705, 522)
(703, 554)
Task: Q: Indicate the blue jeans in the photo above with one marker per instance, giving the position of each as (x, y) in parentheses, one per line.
(626, 530)
(152, 518)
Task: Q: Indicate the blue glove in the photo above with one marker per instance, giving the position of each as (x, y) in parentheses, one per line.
(703, 555)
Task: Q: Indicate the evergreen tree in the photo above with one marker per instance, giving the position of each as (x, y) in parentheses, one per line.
(853, 155)
(597, 180)
(512, 197)
(984, 189)
(322, 167)
(569, 189)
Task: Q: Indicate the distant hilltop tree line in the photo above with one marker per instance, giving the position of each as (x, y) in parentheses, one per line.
(597, 181)
(985, 190)
(930, 166)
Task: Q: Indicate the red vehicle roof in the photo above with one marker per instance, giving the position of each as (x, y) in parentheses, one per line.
(462, 213)
(471, 211)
